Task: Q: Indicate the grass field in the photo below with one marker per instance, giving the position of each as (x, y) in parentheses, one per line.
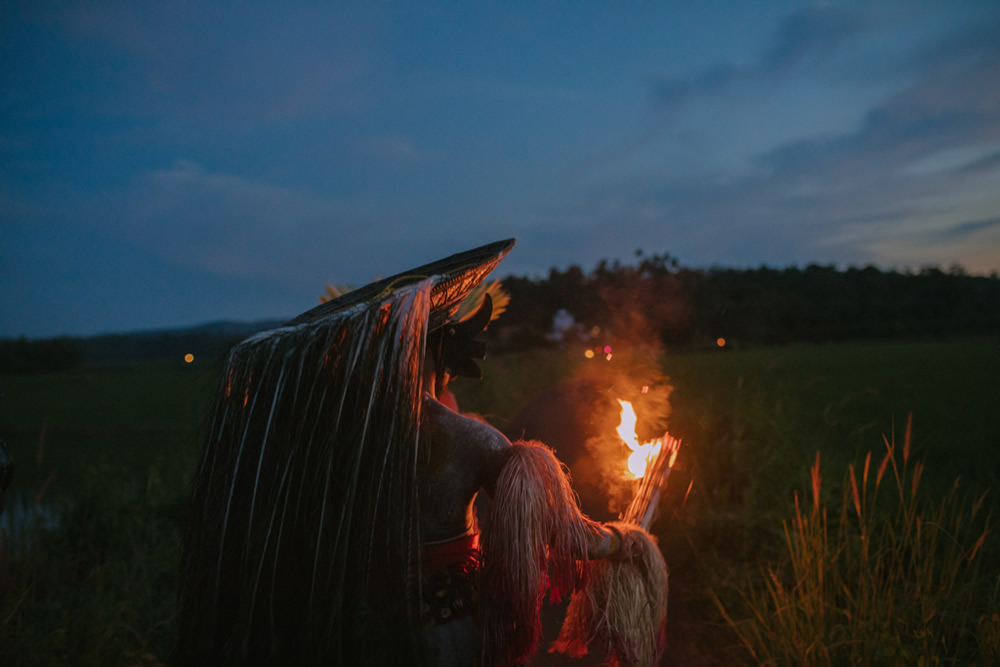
(103, 458)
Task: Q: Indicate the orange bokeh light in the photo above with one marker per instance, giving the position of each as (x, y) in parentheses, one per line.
(188, 358)
(720, 341)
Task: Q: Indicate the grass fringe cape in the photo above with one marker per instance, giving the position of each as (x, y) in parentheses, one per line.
(303, 545)
(623, 607)
(535, 540)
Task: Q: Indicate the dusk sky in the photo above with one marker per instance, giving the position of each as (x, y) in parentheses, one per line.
(168, 164)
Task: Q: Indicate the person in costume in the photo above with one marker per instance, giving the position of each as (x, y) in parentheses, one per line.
(332, 511)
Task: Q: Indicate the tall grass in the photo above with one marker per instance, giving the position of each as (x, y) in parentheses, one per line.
(95, 511)
(97, 586)
(891, 579)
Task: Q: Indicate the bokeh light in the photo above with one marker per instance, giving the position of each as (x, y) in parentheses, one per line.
(188, 358)
(720, 341)
(589, 354)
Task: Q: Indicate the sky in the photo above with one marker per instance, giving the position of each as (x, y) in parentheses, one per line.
(169, 164)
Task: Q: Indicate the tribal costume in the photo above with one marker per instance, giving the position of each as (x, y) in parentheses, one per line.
(333, 506)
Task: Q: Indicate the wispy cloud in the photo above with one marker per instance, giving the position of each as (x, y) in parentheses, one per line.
(806, 39)
(953, 104)
(988, 163)
(970, 227)
(810, 36)
(229, 224)
(844, 196)
(674, 92)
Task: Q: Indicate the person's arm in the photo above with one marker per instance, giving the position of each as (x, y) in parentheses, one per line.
(612, 540)
(606, 542)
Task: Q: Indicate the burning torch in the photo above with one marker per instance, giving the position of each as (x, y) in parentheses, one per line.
(650, 463)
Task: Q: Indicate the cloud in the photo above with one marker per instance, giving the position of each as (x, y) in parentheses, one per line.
(84, 281)
(970, 227)
(810, 35)
(953, 104)
(186, 244)
(673, 92)
(987, 163)
(888, 187)
(807, 38)
(230, 225)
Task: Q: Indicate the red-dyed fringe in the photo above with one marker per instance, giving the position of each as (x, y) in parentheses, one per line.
(623, 608)
(534, 539)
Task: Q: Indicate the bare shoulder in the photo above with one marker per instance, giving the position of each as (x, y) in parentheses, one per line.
(469, 440)
(470, 429)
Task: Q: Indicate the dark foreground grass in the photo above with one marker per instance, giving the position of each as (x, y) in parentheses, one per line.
(104, 457)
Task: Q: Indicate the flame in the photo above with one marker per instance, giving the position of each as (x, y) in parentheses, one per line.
(642, 454)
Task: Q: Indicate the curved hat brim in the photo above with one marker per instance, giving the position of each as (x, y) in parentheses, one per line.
(453, 278)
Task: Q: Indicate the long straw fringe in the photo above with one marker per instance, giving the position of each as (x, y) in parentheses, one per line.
(623, 608)
(305, 500)
(534, 539)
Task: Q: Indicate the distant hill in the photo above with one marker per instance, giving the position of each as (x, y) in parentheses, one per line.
(204, 341)
(230, 327)
(209, 340)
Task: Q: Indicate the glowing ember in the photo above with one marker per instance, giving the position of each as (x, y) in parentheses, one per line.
(642, 454)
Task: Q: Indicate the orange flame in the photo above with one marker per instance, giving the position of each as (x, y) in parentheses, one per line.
(642, 454)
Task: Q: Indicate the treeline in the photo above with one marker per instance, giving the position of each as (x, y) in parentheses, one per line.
(20, 355)
(685, 307)
(654, 299)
